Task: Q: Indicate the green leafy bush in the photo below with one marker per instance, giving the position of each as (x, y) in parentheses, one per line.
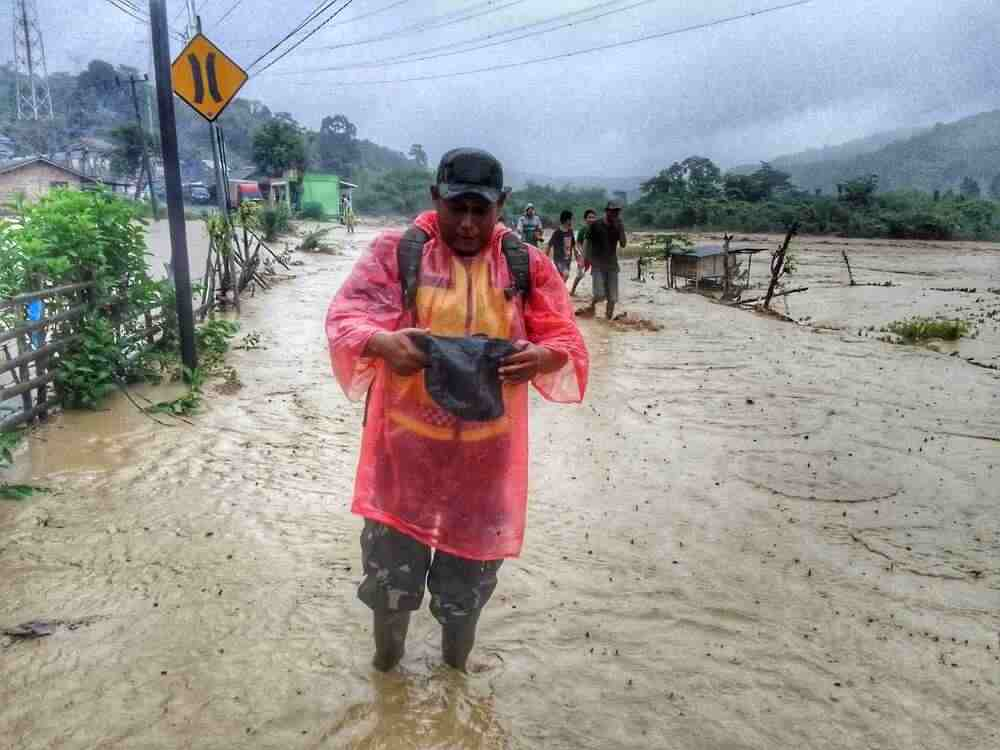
(313, 211)
(90, 369)
(213, 340)
(274, 221)
(71, 236)
(917, 329)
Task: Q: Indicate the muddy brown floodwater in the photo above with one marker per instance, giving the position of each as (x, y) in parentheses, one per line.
(753, 534)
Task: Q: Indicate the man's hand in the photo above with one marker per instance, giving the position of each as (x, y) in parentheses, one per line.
(398, 350)
(529, 361)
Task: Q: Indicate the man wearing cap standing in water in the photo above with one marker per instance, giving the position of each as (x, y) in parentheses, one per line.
(442, 328)
(606, 236)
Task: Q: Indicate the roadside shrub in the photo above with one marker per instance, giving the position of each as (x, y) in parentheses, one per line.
(71, 236)
(274, 221)
(314, 240)
(90, 369)
(917, 329)
(313, 211)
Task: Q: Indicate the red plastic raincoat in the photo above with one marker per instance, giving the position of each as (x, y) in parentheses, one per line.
(457, 486)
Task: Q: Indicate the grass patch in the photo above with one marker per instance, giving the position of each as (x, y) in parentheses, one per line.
(917, 329)
(314, 240)
(19, 491)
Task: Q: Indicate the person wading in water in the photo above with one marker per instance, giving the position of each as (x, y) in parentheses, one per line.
(442, 328)
(605, 237)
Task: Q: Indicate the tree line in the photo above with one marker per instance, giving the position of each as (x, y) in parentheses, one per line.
(695, 194)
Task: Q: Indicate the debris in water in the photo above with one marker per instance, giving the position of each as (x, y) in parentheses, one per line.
(33, 629)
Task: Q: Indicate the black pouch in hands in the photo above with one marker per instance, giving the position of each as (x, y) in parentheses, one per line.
(463, 374)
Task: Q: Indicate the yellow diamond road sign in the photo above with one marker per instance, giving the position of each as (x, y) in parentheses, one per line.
(205, 78)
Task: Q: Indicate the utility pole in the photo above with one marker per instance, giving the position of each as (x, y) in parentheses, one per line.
(146, 164)
(172, 176)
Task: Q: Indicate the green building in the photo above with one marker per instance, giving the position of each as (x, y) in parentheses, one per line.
(328, 190)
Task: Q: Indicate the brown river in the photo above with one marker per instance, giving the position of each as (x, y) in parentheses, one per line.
(753, 534)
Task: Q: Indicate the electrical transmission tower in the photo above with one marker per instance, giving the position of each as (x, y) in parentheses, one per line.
(34, 101)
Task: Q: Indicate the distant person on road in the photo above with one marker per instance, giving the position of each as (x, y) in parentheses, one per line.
(583, 248)
(349, 218)
(606, 236)
(441, 328)
(529, 226)
(562, 244)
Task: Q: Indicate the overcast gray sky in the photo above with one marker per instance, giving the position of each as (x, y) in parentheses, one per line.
(814, 75)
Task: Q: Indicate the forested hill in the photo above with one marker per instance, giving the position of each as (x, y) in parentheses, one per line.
(939, 158)
(840, 152)
(96, 102)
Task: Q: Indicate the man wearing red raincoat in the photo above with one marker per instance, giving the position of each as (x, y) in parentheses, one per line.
(443, 490)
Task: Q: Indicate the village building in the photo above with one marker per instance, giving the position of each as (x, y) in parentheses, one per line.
(33, 177)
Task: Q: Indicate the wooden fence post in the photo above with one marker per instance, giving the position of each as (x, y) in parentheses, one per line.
(847, 262)
(778, 264)
(23, 347)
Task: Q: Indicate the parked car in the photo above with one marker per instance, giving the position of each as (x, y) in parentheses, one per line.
(200, 195)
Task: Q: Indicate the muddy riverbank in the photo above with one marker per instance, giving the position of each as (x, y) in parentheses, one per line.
(753, 534)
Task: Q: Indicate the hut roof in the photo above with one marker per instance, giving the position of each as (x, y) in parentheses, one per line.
(699, 251)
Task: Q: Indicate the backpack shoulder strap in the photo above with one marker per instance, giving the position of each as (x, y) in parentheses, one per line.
(409, 253)
(518, 263)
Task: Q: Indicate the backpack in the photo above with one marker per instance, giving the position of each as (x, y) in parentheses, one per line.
(410, 252)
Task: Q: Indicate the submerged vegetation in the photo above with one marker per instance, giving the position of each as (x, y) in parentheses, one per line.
(917, 329)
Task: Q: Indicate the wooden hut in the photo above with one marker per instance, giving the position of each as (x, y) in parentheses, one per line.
(697, 264)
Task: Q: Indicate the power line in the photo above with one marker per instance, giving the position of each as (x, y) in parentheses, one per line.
(131, 10)
(229, 12)
(352, 19)
(133, 7)
(574, 53)
(316, 12)
(307, 36)
(426, 54)
(436, 22)
(127, 12)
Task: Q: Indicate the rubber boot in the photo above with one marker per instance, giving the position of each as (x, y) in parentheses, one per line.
(610, 310)
(457, 640)
(390, 639)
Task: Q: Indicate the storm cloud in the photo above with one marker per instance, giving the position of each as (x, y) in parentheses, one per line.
(739, 92)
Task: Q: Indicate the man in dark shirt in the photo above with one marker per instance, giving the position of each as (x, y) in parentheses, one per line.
(562, 244)
(606, 236)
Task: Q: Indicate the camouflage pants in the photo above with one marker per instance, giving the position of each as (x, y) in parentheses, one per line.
(397, 567)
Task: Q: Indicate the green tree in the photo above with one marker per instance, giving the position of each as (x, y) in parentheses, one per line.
(126, 159)
(418, 155)
(995, 188)
(858, 192)
(695, 176)
(399, 191)
(278, 146)
(338, 145)
(771, 180)
(970, 188)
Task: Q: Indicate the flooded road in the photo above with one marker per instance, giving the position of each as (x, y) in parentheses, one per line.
(751, 535)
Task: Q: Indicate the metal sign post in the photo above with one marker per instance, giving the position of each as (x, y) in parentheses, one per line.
(172, 175)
